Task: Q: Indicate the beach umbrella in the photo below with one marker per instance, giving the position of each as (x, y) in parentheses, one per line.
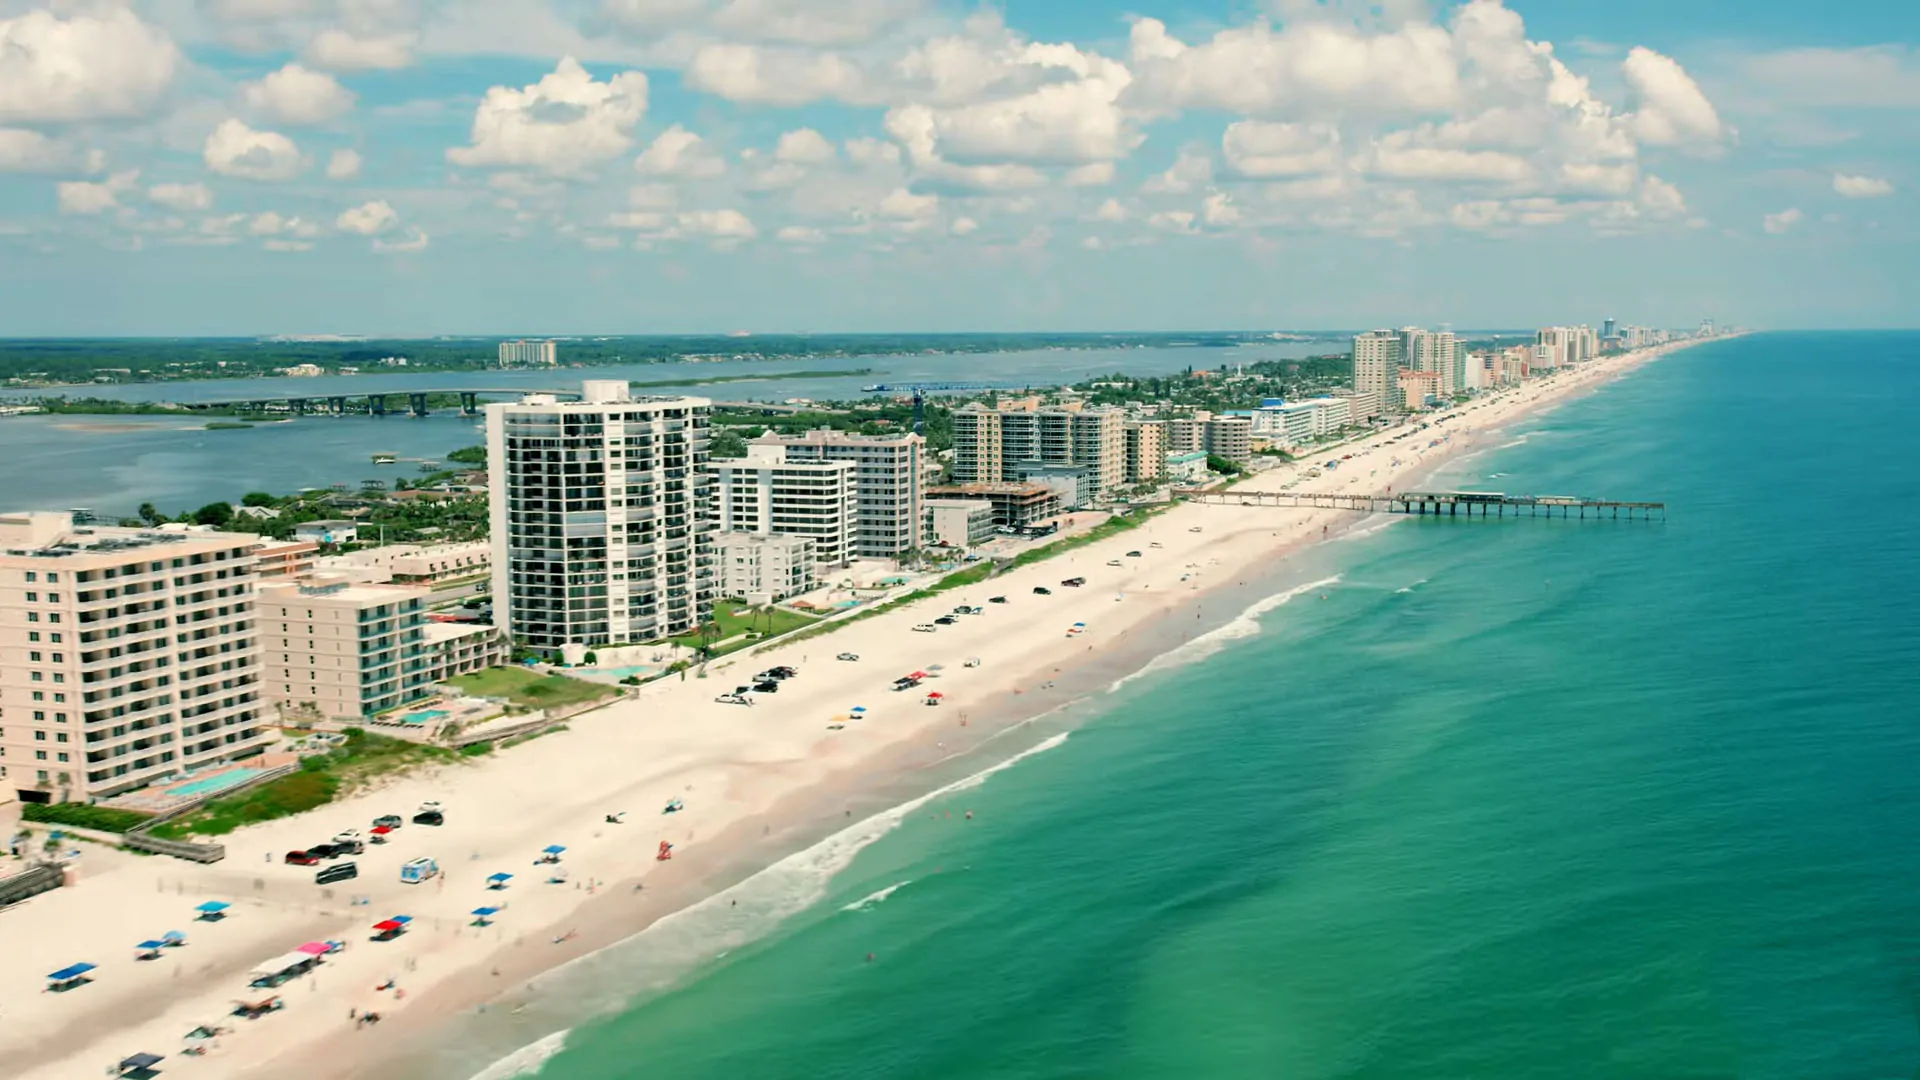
(482, 914)
(139, 1062)
(72, 973)
(401, 919)
(174, 937)
(918, 675)
(859, 708)
(390, 926)
(554, 849)
(213, 909)
(936, 694)
(498, 881)
(1081, 624)
(151, 948)
(314, 948)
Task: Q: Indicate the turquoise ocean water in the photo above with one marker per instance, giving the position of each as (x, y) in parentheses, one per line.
(1513, 800)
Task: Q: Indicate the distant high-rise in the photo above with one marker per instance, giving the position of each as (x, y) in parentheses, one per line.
(994, 444)
(1377, 359)
(1433, 352)
(1607, 328)
(599, 517)
(529, 354)
(889, 480)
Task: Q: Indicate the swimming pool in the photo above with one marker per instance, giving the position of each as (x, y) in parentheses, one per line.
(623, 672)
(424, 716)
(211, 784)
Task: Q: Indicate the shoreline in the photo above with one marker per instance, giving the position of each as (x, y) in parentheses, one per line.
(741, 772)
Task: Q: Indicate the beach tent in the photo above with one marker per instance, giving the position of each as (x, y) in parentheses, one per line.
(150, 949)
(213, 910)
(498, 881)
(139, 1064)
(172, 938)
(69, 977)
(315, 948)
(482, 914)
(391, 928)
(281, 968)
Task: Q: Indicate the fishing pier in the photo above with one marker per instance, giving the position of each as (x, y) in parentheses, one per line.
(1484, 504)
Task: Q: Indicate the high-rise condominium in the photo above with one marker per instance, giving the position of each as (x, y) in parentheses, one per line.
(1378, 356)
(599, 507)
(889, 479)
(528, 354)
(126, 655)
(992, 445)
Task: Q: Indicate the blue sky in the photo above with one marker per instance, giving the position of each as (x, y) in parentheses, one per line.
(181, 167)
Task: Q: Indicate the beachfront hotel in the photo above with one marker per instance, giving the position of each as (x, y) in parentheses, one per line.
(599, 517)
(1378, 356)
(338, 649)
(999, 444)
(126, 656)
(766, 495)
(889, 479)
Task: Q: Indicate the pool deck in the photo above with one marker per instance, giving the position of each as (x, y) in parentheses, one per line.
(166, 795)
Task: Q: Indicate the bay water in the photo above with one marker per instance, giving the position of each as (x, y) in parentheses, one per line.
(1515, 799)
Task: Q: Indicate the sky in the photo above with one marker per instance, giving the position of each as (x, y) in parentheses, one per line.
(392, 167)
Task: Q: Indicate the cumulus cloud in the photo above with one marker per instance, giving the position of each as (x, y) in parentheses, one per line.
(803, 146)
(410, 240)
(298, 95)
(1775, 224)
(234, 149)
(717, 224)
(87, 197)
(808, 22)
(368, 219)
(680, 154)
(99, 65)
(1262, 150)
(1670, 108)
(181, 197)
(343, 165)
(963, 226)
(271, 223)
(26, 151)
(1190, 171)
(800, 234)
(562, 125)
(1861, 187)
(760, 75)
(903, 205)
(340, 50)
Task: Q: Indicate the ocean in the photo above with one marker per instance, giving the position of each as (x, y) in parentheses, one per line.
(1506, 799)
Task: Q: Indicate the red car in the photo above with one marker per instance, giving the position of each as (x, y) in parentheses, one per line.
(302, 858)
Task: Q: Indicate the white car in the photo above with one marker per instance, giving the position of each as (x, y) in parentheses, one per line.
(926, 628)
(347, 836)
(847, 656)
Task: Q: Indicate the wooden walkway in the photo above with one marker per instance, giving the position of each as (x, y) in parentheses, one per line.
(1440, 503)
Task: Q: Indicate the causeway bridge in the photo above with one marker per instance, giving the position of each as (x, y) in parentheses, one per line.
(373, 403)
(1439, 503)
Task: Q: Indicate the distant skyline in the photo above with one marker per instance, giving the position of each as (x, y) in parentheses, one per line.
(252, 167)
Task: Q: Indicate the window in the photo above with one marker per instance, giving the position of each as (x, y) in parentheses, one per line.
(53, 637)
(33, 598)
(39, 736)
(62, 755)
(60, 697)
(61, 737)
(33, 635)
(39, 714)
(34, 657)
(59, 658)
(38, 677)
(33, 616)
(40, 755)
(39, 696)
(53, 578)
(31, 576)
(53, 598)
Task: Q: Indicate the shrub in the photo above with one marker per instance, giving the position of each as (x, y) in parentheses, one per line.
(82, 816)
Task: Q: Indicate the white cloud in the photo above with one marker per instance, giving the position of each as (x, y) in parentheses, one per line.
(182, 197)
(1111, 210)
(278, 244)
(1190, 171)
(369, 219)
(87, 197)
(963, 226)
(411, 240)
(562, 124)
(343, 165)
(1093, 174)
(1869, 77)
(1776, 224)
(26, 151)
(271, 223)
(1072, 117)
(101, 65)
(298, 95)
(339, 50)
(1219, 211)
(800, 234)
(903, 205)
(725, 227)
(1262, 150)
(754, 74)
(808, 22)
(680, 154)
(1177, 221)
(1671, 108)
(1259, 71)
(803, 146)
(1861, 187)
(1661, 198)
(1394, 159)
(234, 149)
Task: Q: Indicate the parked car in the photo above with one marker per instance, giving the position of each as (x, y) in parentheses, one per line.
(1042, 590)
(734, 699)
(927, 628)
(429, 817)
(1115, 562)
(346, 871)
(388, 821)
(302, 858)
(996, 599)
(784, 672)
(848, 656)
(771, 686)
(346, 836)
(1075, 582)
(348, 847)
(322, 851)
(1135, 554)
(945, 620)
(963, 609)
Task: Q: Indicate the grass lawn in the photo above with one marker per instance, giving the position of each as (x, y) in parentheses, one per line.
(529, 688)
(321, 779)
(81, 815)
(735, 618)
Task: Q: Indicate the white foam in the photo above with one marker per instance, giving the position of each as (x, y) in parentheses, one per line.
(1361, 532)
(873, 899)
(1244, 625)
(732, 917)
(526, 1061)
(1412, 587)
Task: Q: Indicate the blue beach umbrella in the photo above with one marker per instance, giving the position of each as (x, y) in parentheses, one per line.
(554, 849)
(482, 914)
(174, 937)
(859, 708)
(401, 919)
(498, 881)
(213, 910)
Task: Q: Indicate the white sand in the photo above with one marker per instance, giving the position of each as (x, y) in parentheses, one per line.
(729, 763)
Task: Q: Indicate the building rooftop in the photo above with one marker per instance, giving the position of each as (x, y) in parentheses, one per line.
(338, 587)
(991, 487)
(53, 535)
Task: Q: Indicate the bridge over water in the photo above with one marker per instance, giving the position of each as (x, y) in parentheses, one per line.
(417, 402)
(1440, 503)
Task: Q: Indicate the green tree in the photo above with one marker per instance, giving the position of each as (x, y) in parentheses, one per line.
(1216, 463)
(214, 513)
(727, 444)
(151, 514)
(257, 498)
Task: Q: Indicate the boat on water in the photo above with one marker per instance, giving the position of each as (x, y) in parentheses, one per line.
(873, 389)
(385, 457)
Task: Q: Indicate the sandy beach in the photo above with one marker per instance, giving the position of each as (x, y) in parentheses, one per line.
(757, 783)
